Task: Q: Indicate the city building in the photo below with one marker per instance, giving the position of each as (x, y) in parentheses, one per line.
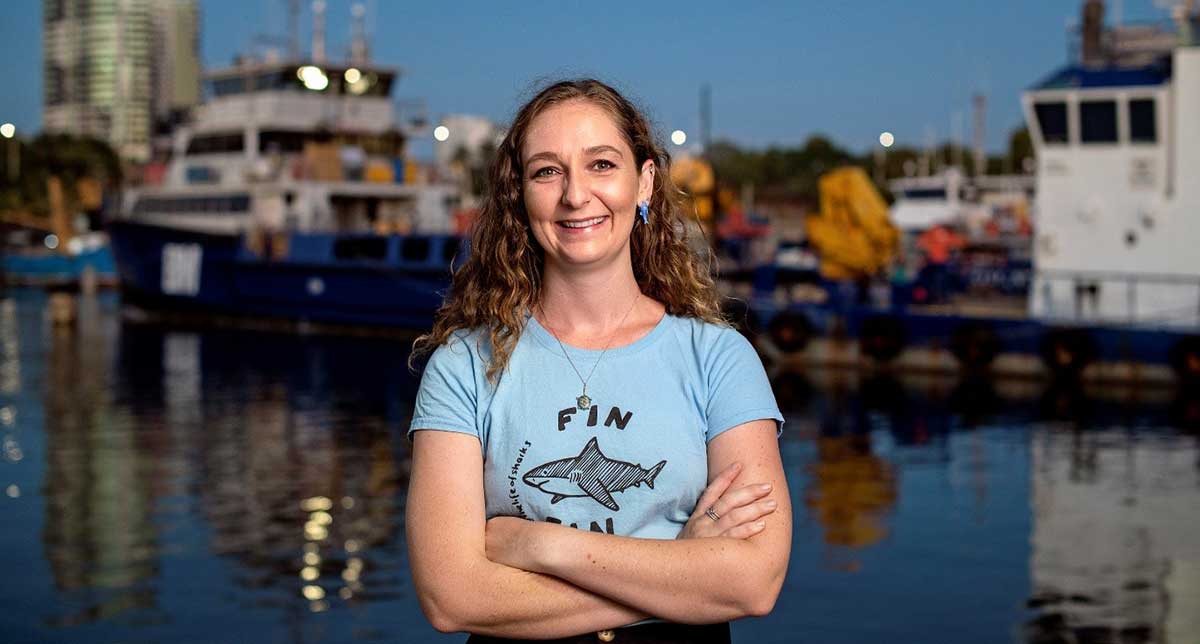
(111, 67)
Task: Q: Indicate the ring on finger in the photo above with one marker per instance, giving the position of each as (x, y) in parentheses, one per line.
(712, 514)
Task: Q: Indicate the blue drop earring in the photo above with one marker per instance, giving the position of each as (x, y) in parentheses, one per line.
(643, 211)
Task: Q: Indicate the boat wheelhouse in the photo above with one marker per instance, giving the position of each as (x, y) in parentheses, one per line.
(1118, 151)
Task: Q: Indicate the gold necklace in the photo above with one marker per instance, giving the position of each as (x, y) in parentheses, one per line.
(583, 402)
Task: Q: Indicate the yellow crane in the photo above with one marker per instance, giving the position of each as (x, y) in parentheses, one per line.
(852, 233)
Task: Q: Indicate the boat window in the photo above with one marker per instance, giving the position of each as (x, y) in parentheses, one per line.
(360, 248)
(214, 205)
(202, 174)
(1098, 121)
(414, 249)
(240, 203)
(1142, 123)
(274, 80)
(227, 86)
(280, 141)
(1052, 121)
(925, 193)
(215, 143)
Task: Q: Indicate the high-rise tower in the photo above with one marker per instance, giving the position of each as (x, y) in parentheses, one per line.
(112, 66)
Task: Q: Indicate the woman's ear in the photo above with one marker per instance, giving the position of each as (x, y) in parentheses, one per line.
(646, 181)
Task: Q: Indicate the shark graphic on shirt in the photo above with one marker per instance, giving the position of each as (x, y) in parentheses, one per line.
(590, 474)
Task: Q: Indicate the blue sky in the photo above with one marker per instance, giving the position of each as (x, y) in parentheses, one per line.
(779, 71)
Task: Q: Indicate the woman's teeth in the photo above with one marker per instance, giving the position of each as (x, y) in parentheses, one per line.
(582, 224)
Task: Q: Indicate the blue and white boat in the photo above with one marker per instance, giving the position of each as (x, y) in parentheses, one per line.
(289, 195)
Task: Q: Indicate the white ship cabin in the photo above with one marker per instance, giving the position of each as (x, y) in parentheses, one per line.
(1118, 192)
(949, 197)
(295, 147)
(924, 202)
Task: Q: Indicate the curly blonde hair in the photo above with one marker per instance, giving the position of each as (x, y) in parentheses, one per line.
(500, 282)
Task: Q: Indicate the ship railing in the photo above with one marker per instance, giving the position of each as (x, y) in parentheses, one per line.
(1152, 300)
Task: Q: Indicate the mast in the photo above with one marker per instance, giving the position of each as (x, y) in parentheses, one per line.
(359, 50)
(293, 10)
(318, 34)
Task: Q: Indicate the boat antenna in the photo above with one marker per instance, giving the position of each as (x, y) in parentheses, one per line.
(318, 34)
(293, 9)
(359, 50)
(979, 105)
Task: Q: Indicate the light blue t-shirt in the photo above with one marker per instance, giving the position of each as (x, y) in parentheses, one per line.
(635, 463)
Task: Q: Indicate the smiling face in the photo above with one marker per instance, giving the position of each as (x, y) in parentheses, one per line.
(581, 185)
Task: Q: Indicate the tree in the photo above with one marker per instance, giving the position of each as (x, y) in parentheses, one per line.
(68, 157)
(1020, 147)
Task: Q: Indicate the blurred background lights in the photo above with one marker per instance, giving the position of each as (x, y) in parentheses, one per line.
(441, 132)
(678, 137)
(313, 77)
(8, 130)
(12, 449)
(51, 241)
(316, 504)
(315, 531)
(13, 491)
(352, 75)
(309, 573)
(887, 139)
(313, 593)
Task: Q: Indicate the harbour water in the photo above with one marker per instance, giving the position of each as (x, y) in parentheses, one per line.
(231, 486)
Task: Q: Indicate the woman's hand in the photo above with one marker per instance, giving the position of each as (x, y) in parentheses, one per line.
(511, 541)
(740, 509)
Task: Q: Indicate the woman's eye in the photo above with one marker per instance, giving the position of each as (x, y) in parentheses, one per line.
(603, 164)
(543, 172)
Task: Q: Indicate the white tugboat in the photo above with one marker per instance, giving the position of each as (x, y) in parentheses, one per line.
(1118, 146)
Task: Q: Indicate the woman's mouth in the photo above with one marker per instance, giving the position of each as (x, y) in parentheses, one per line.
(582, 224)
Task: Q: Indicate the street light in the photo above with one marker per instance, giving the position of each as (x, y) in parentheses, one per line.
(886, 140)
(678, 137)
(441, 133)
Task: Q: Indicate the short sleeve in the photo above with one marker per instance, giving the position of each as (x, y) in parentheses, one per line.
(738, 388)
(446, 400)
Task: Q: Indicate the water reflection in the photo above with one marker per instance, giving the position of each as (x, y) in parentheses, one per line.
(100, 483)
(1114, 549)
(851, 489)
(286, 449)
(1111, 551)
(173, 481)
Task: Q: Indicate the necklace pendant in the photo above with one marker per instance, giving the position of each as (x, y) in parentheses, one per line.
(584, 402)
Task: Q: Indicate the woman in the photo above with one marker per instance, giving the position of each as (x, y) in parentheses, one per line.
(582, 392)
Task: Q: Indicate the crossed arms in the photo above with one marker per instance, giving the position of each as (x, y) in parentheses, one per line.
(513, 578)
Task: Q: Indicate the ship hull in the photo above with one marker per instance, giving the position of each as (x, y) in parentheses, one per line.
(316, 278)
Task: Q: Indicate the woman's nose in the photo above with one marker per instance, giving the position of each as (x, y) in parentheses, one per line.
(576, 193)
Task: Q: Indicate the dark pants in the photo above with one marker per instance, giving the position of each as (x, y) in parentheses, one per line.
(657, 633)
